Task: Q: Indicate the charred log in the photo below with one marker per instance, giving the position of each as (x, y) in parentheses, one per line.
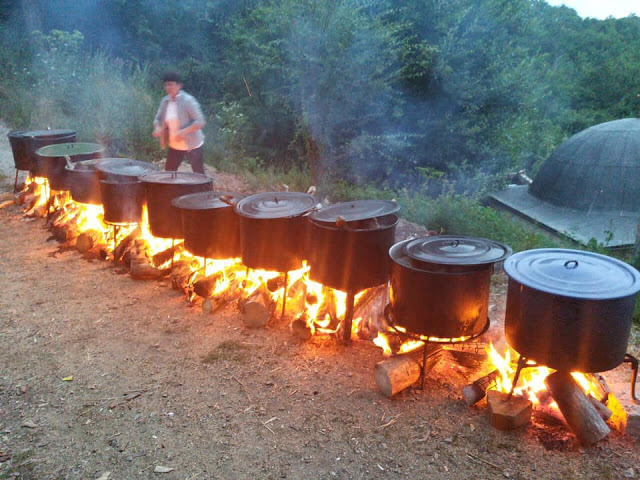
(476, 391)
(140, 269)
(118, 252)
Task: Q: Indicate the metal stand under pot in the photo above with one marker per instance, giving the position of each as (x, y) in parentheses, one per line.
(440, 288)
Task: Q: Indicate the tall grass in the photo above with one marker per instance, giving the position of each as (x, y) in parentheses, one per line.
(104, 99)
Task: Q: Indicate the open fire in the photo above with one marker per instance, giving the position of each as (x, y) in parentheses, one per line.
(312, 308)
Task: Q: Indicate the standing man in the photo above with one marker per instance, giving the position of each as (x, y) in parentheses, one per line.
(179, 123)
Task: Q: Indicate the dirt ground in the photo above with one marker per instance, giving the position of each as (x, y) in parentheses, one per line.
(105, 377)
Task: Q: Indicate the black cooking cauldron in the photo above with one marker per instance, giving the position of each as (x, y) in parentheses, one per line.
(440, 285)
(570, 310)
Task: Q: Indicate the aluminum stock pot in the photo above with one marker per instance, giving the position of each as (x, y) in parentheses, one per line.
(274, 230)
(440, 285)
(570, 310)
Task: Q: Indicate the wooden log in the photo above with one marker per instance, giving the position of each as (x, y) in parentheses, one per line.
(124, 244)
(327, 307)
(226, 296)
(66, 232)
(6, 203)
(296, 297)
(579, 413)
(276, 283)
(396, 373)
(131, 254)
(142, 270)
(205, 286)
(508, 413)
(476, 391)
(180, 274)
(300, 328)
(88, 239)
(166, 255)
(258, 308)
(23, 197)
(605, 412)
(37, 212)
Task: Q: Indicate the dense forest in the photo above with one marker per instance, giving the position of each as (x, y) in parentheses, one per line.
(391, 93)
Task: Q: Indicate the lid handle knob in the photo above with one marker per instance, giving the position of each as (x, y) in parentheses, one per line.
(455, 243)
(571, 264)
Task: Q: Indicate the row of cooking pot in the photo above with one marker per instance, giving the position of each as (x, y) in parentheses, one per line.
(566, 309)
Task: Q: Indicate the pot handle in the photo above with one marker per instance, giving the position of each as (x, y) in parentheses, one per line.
(571, 264)
(69, 162)
(227, 199)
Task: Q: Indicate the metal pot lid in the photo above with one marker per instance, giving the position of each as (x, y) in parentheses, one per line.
(573, 273)
(275, 205)
(176, 178)
(48, 133)
(355, 210)
(207, 200)
(126, 167)
(69, 149)
(456, 250)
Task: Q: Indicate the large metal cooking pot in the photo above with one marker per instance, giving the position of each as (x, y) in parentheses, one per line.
(123, 169)
(570, 310)
(349, 241)
(24, 144)
(210, 224)
(122, 201)
(273, 230)
(161, 188)
(83, 181)
(52, 160)
(440, 284)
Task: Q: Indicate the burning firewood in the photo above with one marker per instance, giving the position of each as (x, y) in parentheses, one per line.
(180, 275)
(205, 286)
(476, 391)
(297, 296)
(88, 239)
(166, 255)
(66, 232)
(578, 411)
(227, 295)
(508, 412)
(276, 283)
(118, 252)
(258, 308)
(401, 371)
(140, 269)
